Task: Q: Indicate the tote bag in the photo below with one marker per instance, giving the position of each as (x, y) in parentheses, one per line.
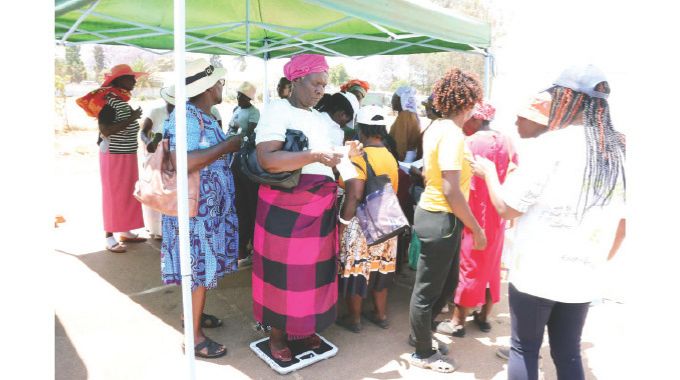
(379, 214)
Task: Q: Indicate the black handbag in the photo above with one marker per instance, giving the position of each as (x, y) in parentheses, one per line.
(296, 141)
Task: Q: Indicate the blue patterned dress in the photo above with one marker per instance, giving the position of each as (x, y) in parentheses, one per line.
(213, 233)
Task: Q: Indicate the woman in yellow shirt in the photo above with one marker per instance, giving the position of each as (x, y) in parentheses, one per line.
(364, 268)
(442, 212)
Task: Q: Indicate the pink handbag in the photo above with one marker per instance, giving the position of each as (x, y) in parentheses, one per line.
(157, 184)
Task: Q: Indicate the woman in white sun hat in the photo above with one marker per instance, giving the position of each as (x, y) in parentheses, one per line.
(213, 233)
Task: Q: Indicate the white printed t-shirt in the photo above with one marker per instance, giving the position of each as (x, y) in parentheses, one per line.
(556, 254)
(279, 115)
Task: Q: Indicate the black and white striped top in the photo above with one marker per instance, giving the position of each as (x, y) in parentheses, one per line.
(125, 141)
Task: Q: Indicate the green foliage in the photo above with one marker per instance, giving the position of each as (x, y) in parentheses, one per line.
(398, 83)
(337, 75)
(216, 60)
(99, 60)
(75, 69)
(141, 65)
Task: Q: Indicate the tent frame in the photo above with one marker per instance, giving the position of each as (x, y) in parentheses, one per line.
(292, 38)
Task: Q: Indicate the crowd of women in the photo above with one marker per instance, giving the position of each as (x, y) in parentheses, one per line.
(458, 180)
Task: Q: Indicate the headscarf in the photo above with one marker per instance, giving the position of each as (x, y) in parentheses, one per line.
(304, 64)
(484, 111)
(355, 85)
(407, 96)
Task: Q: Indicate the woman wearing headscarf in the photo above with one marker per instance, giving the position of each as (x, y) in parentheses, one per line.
(357, 87)
(406, 127)
(295, 242)
(480, 270)
(569, 191)
(442, 212)
(213, 233)
(118, 128)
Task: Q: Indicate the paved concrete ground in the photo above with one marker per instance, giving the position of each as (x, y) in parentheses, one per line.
(115, 320)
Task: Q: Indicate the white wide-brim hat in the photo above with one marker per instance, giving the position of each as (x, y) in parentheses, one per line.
(168, 94)
(248, 89)
(201, 75)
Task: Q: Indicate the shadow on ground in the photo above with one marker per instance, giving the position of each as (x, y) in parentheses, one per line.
(374, 353)
(67, 363)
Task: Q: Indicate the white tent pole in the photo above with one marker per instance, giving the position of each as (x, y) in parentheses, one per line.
(80, 19)
(487, 76)
(265, 87)
(182, 185)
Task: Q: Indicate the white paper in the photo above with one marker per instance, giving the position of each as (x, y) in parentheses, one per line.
(406, 166)
(345, 167)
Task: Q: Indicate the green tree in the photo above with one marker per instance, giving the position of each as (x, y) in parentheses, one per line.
(337, 75)
(75, 68)
(99, 61)
(216, 60)
(141, 65)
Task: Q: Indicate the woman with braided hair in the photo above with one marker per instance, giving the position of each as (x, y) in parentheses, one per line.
(569, 192)
(442, 212)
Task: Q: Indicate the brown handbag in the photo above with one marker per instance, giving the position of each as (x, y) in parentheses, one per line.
(157, 184)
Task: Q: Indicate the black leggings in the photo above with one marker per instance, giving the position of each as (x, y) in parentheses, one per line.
(437, 274)
(529, 316)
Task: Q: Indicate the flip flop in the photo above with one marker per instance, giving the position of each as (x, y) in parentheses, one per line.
(373, 318)
(117, 248)
(213, 349)
(135, 239)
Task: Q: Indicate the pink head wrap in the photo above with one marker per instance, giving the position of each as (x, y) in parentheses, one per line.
(303, 64)
(484, 111)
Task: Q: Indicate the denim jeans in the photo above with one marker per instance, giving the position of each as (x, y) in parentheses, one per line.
(529, 317)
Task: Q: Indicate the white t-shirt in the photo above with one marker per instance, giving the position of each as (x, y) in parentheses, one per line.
(157, 116)
(335, 133)
(279, 115)
(557, 254)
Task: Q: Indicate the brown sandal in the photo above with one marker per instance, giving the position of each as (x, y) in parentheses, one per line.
(117, 248)
(135, 239)
(282, 355)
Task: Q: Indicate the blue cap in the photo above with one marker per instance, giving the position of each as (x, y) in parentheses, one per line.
(583, 78)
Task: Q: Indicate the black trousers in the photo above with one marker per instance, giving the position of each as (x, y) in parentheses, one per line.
(246, 205)
(437, 274)
(529, 317)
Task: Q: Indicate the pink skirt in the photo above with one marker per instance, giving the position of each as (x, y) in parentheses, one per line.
(121, 211)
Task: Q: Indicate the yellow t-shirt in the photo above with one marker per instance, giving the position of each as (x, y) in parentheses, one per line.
(381, 161)
(443, 149)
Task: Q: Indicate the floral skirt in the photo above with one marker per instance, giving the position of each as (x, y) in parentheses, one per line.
(363, 267)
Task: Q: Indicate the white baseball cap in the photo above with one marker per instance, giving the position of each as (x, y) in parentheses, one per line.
(371, 115)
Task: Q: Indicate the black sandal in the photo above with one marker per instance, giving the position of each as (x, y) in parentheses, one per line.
(483, 326)
(373, 318)
(214, 349)
(208, 321)
(348, 324)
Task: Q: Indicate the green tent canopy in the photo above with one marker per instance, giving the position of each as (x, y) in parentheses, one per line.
(275, 28)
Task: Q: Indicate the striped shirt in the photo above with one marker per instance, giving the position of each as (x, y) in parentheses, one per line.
(125, 141)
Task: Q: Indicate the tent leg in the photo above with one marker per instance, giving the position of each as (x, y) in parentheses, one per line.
(265, 87)
(487, 75)
(182, 185)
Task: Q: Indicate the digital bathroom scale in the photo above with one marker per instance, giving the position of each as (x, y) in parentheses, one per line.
(302, 356)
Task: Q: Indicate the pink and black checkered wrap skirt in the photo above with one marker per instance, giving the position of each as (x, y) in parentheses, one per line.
(295, 256)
